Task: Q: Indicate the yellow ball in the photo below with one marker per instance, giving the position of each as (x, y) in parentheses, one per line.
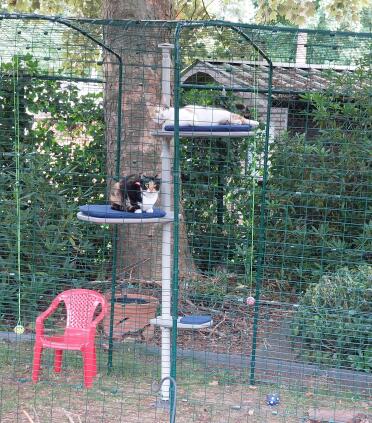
(19, 329)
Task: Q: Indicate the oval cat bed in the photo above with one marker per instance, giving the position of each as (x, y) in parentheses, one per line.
(211, 128)
(186, 322)
(195, 320)
(104, 211)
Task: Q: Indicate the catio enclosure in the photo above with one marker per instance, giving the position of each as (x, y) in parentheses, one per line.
(281, 213)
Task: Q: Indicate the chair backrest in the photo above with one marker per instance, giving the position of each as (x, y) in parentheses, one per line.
(81, 305)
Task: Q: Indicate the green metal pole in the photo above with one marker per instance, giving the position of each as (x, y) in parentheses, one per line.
(116, 231)
(117, 172)
(262, 230)
(174, 24)
(176, 200)
(177, 86)
(261, 246)
(243, 89)
(68, 23)
(117, 168)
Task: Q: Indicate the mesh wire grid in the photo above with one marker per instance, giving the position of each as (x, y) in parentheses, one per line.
(281, 215)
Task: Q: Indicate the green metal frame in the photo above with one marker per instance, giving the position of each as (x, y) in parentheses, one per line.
(76, 28)
(263, 230)
(261, 244)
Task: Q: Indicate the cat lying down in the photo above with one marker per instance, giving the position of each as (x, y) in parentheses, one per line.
(200, 115)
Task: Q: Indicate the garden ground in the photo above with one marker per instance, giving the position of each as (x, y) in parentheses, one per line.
(206, 394)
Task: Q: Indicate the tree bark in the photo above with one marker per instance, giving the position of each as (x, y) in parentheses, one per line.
(139, 246)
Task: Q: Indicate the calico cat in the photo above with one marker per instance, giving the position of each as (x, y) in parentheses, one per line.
(135, 193)
(200, 115)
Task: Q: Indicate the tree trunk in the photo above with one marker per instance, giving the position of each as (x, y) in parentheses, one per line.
(139, 246)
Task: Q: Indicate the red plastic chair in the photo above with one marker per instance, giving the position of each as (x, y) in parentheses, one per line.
(79, 333)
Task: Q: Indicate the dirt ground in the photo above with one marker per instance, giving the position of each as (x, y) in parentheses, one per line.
(116, 398)
(140, 408)
(207, 393)
(232, 330)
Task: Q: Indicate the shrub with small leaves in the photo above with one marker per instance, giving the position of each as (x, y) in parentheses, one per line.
(61, 166)
(333, 322)
(219, 191)
(319, 185)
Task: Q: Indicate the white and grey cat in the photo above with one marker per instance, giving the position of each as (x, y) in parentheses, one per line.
(135, 193)
(199, 115)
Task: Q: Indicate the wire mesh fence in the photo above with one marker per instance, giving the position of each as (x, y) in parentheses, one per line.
(248, 280)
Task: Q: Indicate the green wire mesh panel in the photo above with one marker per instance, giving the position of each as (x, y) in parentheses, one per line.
(295, 236)
(271, 235)
(60, 149)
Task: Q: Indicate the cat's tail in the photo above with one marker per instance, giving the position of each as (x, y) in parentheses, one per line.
(116, 199)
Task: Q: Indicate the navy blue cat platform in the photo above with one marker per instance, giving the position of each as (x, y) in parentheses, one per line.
(103, 213)
(185, 322)
(201, 131)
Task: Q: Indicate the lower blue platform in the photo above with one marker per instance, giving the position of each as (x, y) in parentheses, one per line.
(195, 320)
(105, 211)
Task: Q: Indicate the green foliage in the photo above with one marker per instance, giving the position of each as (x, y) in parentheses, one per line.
(346, 14)
(85, 8)
(333, 322)
(269, 43)
(345, 50)
(191, 10)
(217, 190)
(227, 45)
(61, 166)
(319, 186)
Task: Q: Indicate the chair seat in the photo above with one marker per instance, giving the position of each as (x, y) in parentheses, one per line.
(65, 342)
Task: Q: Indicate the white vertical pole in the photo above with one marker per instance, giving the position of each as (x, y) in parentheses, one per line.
(166, 73)
(166, 297)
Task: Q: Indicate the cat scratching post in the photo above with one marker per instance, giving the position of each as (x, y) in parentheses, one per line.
(102, 214)
(167, 228)
(165, 320)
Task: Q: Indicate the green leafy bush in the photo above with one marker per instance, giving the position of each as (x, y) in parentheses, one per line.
(333, 322)
(62, 165)
(218, 191)
(319, 185)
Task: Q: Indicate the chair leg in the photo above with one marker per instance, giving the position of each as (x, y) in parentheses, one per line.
(94, 362)
(38, 349)
(58, 360)
(88, 367)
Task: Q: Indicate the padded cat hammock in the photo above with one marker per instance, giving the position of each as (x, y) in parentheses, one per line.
(218, 131)
(103, 213)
